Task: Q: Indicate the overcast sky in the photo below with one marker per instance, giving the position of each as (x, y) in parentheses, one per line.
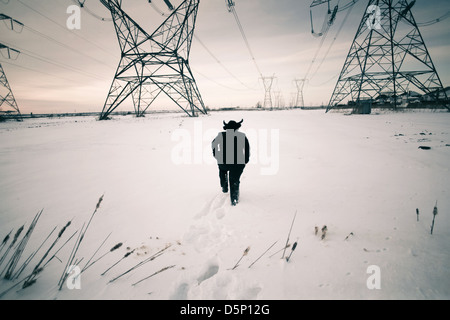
(60, 70)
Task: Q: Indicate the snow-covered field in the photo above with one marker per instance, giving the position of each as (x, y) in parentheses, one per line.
(363, 176)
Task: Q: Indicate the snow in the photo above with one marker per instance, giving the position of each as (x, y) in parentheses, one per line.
(360, 174)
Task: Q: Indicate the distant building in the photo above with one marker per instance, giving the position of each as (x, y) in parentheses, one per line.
(443, 94)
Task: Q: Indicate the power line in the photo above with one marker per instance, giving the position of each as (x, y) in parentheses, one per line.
(432, 22)
(37, 71)
(63, 27)
(241, 29)
(82, 5)
(221, 64)
(61, 44)
(316, 54)
(212, 55)
(216, 82)
(348, 5)
(325, 82)
(157, 9)
(334, 40)
(55, 63)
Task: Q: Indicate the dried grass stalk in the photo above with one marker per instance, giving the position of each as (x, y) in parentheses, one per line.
(140, 264)
(243, 255)
(289, 234)
(154, 274)
(14, 260)
(262, 254)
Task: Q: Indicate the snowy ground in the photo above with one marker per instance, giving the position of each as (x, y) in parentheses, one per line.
(360, 174)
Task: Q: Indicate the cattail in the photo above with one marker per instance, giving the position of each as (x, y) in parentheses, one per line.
(78, 243)
(60, 234)
(37, 271)
(243, 255)
(28, 260)
(294, 246)
(14, 260)
(64, 229)
(417, 213)
(31, 279)
(124, 257)
(324, 232)
(117, 246)
(16, 236)
(128, 253)
(27, 284)
(99, 202)
(350, 234)
(435, 212)
(292, 250)
(60, 248)
(289, 234)
(5, 240)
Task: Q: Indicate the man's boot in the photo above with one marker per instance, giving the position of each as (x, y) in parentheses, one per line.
(234, 194)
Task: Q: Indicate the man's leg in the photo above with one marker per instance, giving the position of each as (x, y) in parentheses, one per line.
(223, 174)
(235, 176)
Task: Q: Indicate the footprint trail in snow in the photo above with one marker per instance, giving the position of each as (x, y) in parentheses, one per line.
(207, 236)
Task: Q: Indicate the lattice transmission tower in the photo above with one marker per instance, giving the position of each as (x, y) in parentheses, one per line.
(300, 84)
(268, 83)
(8, 104)
(388, 57)
(155, 63)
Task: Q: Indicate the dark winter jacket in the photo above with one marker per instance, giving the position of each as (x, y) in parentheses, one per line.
(231, 147)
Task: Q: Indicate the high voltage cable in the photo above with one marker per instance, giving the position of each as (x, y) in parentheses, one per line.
(429, 23)
(83, 5)
(55, 63)
(316, 54)
(323, 83)
(213, 56)
(63, 27)
(64, 45)
(241, 29)
(216, 82)
(221, 64)
(330, 22)
(334, 40)
(37, 71)
(157, 9)
(348, 5)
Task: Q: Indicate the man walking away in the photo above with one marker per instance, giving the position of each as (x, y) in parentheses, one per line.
(232, 152)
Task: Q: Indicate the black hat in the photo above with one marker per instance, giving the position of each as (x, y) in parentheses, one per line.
(232, 125)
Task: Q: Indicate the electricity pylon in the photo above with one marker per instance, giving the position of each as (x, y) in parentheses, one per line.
(388, 56)
(155, 63)
(268, 82)
(300, 84)
(6, 95)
